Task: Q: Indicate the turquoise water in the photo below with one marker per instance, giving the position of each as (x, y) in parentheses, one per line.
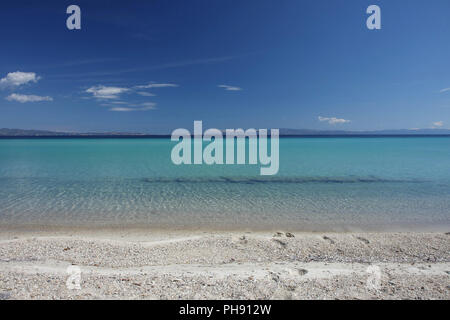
(382, 183)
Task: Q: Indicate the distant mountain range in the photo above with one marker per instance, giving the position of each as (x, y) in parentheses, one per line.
(307, 132)
(43, 133)
(283, 132)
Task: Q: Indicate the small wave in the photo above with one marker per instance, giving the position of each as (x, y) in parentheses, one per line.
(262, 180)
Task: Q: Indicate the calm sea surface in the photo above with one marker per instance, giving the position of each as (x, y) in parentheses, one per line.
(382, 183)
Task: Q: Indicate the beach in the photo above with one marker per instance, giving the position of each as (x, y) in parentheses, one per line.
(133, 263)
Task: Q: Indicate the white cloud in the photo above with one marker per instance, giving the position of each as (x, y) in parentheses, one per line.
(119, 102)
(157, 85)
(145, 94)
(135, 107)
(445, 90)
(333, 120)
(22, 98)
(15, 79)
(103, 92)
(121, 109)
(229, 88)
(438, 124)
(148, 105)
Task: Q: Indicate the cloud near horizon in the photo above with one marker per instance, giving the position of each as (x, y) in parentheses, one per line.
(145, 94)
(18, 78)
(111, 93)
(23, 98)
(333, 120)
(229, 88)
(104, 92)
(157, 85)
(438, 124)
(444, 90)
(145, 106)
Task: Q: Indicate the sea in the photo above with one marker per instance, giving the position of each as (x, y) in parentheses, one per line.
(373, 183)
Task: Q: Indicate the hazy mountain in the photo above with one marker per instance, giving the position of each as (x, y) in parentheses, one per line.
(301, 132)
(43, 133)
(20, 132)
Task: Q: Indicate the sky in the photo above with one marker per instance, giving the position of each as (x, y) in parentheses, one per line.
(154, 66)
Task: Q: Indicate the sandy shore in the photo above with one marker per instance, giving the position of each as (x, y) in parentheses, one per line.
(143, 264)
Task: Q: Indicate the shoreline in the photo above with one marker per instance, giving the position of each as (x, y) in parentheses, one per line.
(182, 264)
(143, 228)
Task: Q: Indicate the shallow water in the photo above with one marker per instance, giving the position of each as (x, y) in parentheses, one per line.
(327, 183)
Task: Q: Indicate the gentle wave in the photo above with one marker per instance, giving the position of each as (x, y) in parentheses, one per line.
(262, 180)
(219, 179)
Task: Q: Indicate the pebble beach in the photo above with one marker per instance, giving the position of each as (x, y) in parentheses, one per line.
(161, 264)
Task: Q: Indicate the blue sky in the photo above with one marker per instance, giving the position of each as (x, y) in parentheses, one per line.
(154, 66)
